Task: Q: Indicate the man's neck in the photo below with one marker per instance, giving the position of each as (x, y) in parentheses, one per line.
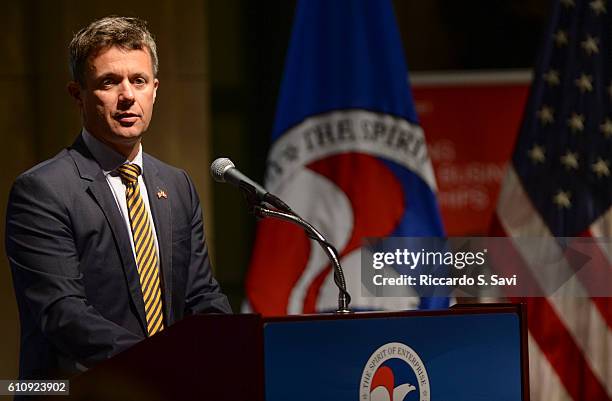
(128, 150)
(108, 156)
(130, 153)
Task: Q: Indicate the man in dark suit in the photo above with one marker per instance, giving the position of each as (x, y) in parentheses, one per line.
(106, 243)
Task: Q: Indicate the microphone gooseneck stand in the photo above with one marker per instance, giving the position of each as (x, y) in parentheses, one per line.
(344, 299)
(285, 213)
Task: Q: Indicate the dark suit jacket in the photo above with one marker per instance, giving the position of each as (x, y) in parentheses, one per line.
(74, 273)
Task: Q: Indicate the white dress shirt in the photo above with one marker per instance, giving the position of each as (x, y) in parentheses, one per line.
(109, 160)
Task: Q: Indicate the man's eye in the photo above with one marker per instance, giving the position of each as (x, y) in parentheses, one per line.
(140, 81)
(107, 82)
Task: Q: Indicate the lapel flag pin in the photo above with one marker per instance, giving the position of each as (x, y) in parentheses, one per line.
(161, 194)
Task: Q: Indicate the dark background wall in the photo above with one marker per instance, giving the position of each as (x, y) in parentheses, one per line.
(221, 64)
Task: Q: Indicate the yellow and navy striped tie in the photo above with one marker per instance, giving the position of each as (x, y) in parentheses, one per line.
(144, 244)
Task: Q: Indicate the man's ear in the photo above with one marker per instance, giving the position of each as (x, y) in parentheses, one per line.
(74, 89)
(155, 86)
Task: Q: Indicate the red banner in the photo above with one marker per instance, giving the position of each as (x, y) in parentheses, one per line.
(470, 121)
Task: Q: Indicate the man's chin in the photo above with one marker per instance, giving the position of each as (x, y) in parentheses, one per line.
(128, 134)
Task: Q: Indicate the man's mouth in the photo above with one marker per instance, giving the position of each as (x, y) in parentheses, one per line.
(126, 118)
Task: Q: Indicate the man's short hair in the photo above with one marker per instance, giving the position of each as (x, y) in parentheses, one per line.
(125, 32)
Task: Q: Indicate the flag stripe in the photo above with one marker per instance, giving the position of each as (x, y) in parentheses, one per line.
(601, 228)
(561, 350)
(560, 324)
(580, 315)
(545, 384)
(604, 305)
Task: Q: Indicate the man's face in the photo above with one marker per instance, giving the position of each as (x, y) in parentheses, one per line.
(118, 96)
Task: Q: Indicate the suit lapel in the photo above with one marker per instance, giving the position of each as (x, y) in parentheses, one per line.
(162, 217)
(100, 191)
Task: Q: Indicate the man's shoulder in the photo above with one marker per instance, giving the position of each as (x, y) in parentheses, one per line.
(51, 181)
(164, 169)
(174, 179)
(58, 167)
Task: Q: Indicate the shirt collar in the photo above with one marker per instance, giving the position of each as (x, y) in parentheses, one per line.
(108, 158)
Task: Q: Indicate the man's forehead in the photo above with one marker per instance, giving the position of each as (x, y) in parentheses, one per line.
(113, 57)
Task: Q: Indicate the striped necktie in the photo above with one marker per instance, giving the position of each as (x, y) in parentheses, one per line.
(144, 245)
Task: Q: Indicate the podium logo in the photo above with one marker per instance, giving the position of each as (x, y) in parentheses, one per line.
(394, 372)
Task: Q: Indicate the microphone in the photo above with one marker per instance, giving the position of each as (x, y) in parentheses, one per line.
(224, 170)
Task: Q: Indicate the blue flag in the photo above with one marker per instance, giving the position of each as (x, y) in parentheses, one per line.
(348, 155)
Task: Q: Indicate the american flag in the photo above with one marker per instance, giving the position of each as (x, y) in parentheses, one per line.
(559, 184)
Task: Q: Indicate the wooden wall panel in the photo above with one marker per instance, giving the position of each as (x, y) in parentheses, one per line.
(38, 118)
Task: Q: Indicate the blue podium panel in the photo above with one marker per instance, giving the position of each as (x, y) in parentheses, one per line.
(462, 357)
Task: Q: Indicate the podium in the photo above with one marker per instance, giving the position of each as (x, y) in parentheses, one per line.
(465, 353)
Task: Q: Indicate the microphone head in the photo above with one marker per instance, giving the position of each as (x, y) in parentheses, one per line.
(219, 167)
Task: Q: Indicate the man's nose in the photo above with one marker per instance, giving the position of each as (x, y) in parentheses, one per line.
(126, 92)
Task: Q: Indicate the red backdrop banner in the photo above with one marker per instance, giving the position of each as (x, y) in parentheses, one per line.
(470, 121)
